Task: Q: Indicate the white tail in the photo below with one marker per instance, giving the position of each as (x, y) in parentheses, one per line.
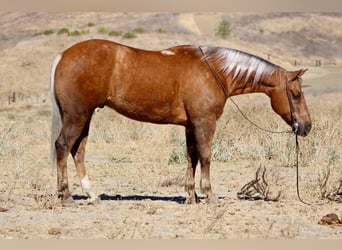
(56, 119)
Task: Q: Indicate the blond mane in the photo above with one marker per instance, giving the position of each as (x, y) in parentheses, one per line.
(236, 62)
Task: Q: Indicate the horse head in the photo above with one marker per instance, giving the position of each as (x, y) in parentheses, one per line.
(287, 99)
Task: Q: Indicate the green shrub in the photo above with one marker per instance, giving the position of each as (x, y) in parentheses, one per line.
(75, 33)
(103, 30)
(139, 30)
(115, 33)
(91, 24)
(78, 32)
(38, 34)
(129, 35)
(223, 30)
(45, 32)
(63, 31)
(48, 32)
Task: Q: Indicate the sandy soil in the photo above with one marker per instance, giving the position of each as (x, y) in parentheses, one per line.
(128, 169)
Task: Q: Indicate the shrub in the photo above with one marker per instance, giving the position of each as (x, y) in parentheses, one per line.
(115, 33)
(223, 30)
(129, 35)
(45, 32)
(63, 31)
(78, 32)
(139, 30)
(48, 32)
(103, 30)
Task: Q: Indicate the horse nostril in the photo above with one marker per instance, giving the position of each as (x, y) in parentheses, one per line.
(308, 128)
(295, 127)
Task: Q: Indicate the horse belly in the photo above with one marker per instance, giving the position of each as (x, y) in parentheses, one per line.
(148, 107)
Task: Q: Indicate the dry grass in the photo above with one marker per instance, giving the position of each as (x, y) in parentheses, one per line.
(132, 159)
(133, 165)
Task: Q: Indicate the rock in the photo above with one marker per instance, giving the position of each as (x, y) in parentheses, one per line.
(329, 219)
(54, 231)
(3, 209)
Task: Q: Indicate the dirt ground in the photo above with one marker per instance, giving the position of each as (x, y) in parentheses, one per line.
(129, 163)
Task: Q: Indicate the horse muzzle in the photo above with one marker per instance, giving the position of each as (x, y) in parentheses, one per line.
(301, 128)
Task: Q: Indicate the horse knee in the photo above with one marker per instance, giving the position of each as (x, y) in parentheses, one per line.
(60, 145)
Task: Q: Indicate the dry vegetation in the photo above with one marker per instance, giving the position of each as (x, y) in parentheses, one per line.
(130, 162)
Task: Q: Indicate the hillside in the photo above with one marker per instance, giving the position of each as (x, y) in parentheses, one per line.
(302, 35)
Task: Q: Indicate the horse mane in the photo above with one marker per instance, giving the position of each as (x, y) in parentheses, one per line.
(239, 62)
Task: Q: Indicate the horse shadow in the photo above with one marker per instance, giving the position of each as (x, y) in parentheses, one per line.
(118, 197)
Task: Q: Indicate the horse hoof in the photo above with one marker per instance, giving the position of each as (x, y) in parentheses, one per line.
(94, 201)
(69, 202)
(212, 199)
(189, 201)
(192, 200)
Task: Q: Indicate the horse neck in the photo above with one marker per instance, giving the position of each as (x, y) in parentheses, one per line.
(265, 84)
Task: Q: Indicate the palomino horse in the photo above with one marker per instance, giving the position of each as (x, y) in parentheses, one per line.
(183, 85)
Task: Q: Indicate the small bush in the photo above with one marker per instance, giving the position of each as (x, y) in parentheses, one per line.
(223, 30)
(45, 32)
(48, 32)
(103, 30)
(75, 33)
(129, 35)
(91, 24)
(63, 31)
(78, 32)
(115, 33)
(139, 30)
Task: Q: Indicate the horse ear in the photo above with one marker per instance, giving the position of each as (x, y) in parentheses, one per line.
(302, 71)
(292, 75)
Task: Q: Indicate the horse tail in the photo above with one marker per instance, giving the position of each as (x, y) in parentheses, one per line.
(56, 118)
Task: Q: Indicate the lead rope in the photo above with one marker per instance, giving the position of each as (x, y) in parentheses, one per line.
(218, 80)
(256, 125)
(297, 167)
(297, 154)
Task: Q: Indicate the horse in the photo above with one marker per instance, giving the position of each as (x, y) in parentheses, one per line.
(185, 85)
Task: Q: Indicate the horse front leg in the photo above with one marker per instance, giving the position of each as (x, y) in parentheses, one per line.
(204, 137)
(192, 158)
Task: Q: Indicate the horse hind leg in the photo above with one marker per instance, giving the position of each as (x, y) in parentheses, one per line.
(63, 146)
(69, 135)
(191, 169)
(78, 152)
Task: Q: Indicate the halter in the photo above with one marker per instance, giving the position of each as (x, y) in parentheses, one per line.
(292, 110)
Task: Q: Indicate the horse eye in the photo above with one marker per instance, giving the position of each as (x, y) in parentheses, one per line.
(296, 96)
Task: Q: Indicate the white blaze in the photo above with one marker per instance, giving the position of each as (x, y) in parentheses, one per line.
(168, 53)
